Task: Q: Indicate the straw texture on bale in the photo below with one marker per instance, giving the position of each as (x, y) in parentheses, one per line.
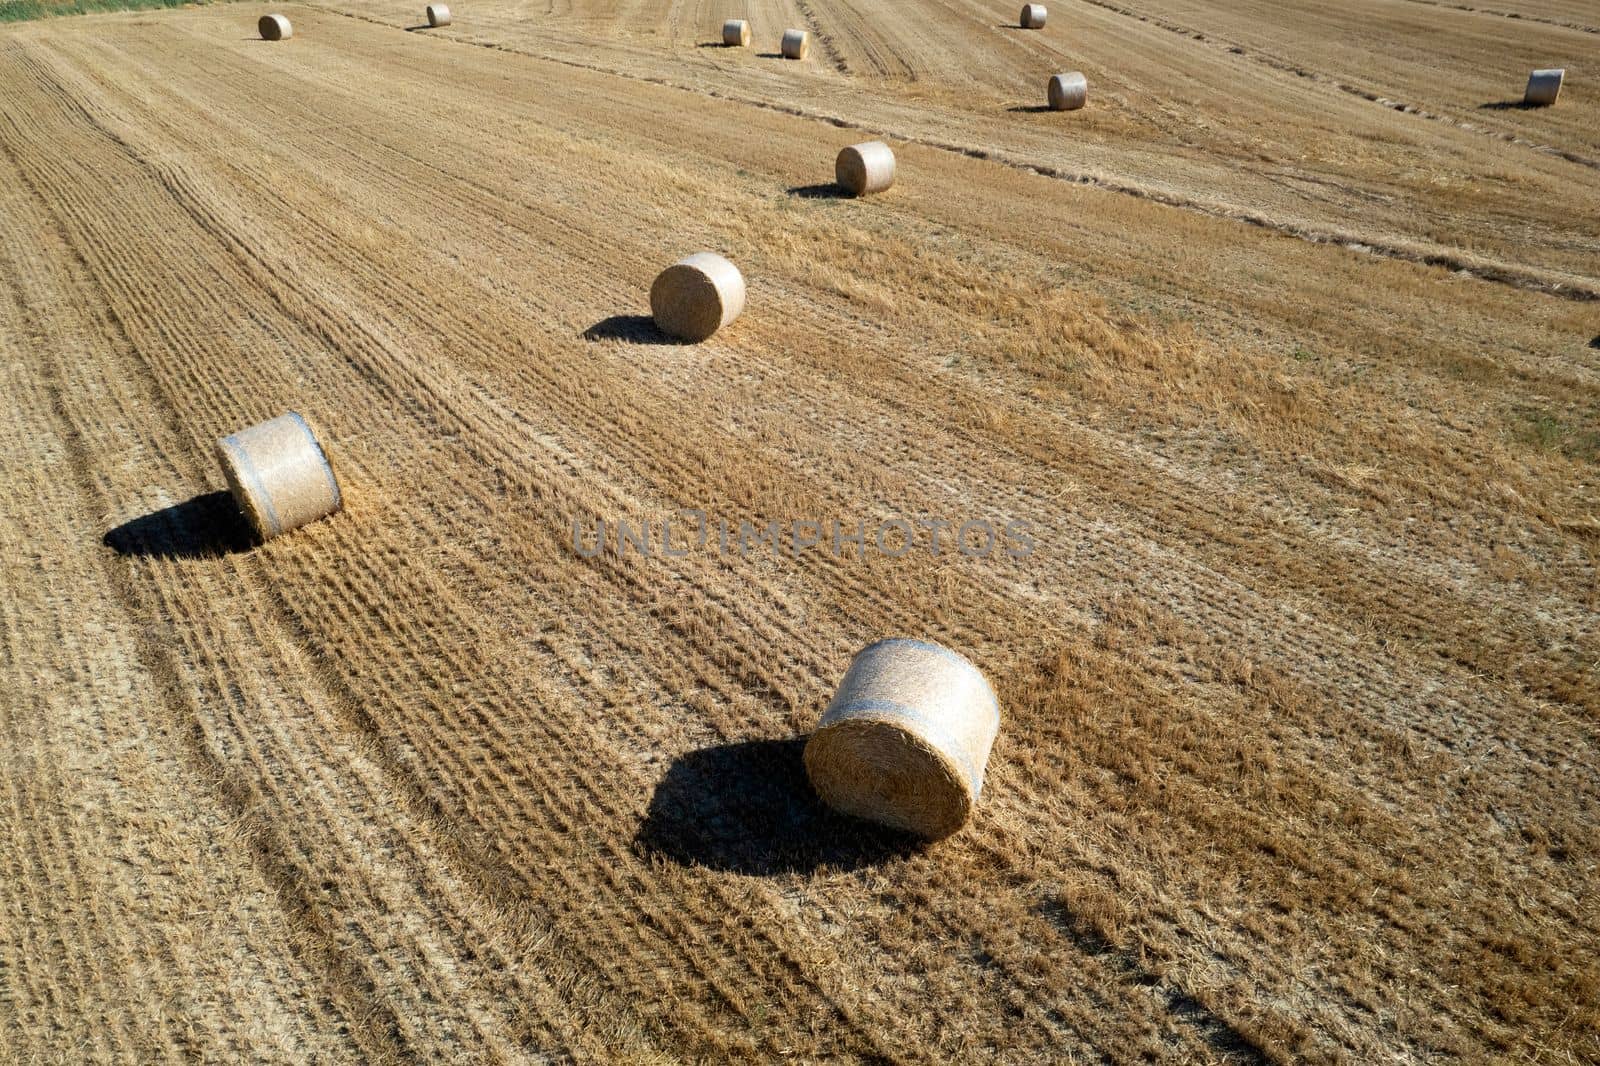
(274, 28)
(697, 296)
(1544, 87)
(279, 475)
(1068, 92)
(865, 168)
(736, 33)
(1032, 17)
(438, 15)
(796, 43)
(906, 738)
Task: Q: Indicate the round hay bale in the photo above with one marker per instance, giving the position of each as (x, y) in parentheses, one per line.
(1032, 17)
(736, 33)
(906, 738)
(865, 168)
(1068, 92)
(438, 15)
(796, 43)
(279, 475)
(274, 28)
(696, 296)
(1544, 87)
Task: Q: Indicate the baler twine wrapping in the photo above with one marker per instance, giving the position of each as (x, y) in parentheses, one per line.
(1544, 87)
(274, 28)
(1068, 92)
(736, 33)
(438, 15)
(796, 43)
(906, 738)
(865, 168)
(279, 475)
(1032, 17)
(697, 296)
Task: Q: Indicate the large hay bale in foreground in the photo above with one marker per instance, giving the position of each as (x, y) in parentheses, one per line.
(438, 15)
(865, 168)
(736, 33)
(697, 296)
(1544, 87)
(796, 43)
(1068, 92)
(1032, 17)
(279, 475)
(274, 28)
(906, 738)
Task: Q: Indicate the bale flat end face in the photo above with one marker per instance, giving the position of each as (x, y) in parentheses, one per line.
(880, 772)
(1544, 88)
(279, 475)
(864, 169)
(1067, 92)
(1032, 17)
(274, 28)
(796, 44)
(736, 33)
(697, 296)
(438, 15)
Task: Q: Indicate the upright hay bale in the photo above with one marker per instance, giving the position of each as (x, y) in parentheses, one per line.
(796, 43)
(865, 168)
(736, 33)
(1544, 87)
(438, 15)
(279, 475)
(1068, 92)
(1032, 17)
(906, 738)
(697, 296)
(274, 28)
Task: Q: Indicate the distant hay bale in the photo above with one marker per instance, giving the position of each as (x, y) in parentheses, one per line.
(1544, 87)
(1032, 17)
(1068, 92)
(438, 15)
(906, 738)
(279, 475)
(796, 43)
(274, 28)
(697, 296)
(865, 168)
(736, 33)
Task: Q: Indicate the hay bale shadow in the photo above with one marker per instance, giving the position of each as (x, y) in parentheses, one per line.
(1508, 105)
(638, 329)
(414, 29)
(1596, 342)
(1030, 109)
(828, 191)
(205, 527)
(748, 808)
(769, 55)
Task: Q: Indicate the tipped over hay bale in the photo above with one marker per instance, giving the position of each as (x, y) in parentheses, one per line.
(736, 33)
(274, 28)
(1544, 87)
(1068, 92)
(865, 168)
(438, 15)
(697, 296)
(279, 475)
(1032, 17)
(906, 738)
(796, 43)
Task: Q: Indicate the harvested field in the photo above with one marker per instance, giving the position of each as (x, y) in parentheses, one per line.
(1299, 682)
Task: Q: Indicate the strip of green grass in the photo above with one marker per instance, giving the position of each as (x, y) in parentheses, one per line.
(23, 10)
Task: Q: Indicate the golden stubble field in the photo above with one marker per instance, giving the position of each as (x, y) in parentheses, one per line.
(1287, 347)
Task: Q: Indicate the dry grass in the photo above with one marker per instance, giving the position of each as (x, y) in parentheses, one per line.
(1299, 684)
